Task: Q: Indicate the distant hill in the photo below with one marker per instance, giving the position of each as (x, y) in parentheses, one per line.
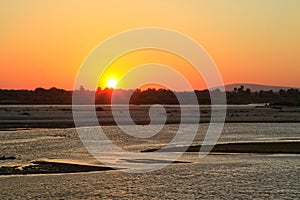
(256, 87)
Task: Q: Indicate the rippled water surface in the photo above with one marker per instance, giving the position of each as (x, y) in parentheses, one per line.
(217, 176)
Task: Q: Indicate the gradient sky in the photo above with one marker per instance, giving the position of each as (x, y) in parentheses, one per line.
(43, 43)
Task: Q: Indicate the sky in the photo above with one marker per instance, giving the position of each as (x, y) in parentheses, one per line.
(43, 43)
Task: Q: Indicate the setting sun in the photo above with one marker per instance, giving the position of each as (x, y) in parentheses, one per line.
(112, 83)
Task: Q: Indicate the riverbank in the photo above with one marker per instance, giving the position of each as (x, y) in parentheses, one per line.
(60, 116)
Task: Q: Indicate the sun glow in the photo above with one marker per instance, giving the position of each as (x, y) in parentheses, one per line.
(112, 83)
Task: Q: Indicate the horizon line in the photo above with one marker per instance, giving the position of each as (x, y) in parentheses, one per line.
(215, 87)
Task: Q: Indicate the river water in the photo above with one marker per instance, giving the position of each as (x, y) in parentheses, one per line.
(217, 176)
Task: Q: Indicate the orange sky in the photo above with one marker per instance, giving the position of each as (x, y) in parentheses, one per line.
(43, 43)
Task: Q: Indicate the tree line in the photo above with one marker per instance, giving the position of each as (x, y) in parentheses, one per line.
(241, 95)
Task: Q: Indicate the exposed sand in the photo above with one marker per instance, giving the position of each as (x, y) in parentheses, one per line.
(56, 116)
(241, 147)
(49, 167)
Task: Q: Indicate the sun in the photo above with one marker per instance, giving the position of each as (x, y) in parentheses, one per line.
(112, 83)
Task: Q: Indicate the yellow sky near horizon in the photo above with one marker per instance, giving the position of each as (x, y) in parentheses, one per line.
(43, 43)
